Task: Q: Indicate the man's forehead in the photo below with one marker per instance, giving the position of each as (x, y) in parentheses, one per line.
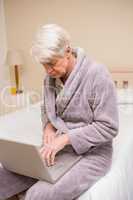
(53, 60)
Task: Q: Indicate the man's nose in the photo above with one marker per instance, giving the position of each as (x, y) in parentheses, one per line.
(49, 69)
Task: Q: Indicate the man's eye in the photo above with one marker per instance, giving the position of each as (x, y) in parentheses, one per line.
(51, 64)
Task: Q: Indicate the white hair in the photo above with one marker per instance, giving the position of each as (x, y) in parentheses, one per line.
(51, 41)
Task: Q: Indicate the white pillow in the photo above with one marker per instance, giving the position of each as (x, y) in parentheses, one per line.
(125, 96)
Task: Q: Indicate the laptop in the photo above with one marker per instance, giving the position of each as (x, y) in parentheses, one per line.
(25, 159)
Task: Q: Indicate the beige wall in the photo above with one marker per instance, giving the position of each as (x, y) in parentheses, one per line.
(103, 27)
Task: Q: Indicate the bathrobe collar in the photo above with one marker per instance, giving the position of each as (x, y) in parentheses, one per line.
(70, 87)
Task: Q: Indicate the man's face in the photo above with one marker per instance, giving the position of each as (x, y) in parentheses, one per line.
(57, 67)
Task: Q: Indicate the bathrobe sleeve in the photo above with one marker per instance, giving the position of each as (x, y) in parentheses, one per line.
(44, 117)
(105, 116)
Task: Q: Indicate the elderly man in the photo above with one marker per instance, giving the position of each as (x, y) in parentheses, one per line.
(79, 113)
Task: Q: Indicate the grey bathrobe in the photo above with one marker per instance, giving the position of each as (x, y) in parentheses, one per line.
(87, 112)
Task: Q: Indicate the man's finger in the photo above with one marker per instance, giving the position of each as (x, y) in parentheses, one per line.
(52, 159)
(48, 157)
(42, 150)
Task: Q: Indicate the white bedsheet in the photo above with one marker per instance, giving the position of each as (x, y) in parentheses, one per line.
(25, 126)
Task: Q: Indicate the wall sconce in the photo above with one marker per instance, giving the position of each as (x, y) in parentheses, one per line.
(15, 59)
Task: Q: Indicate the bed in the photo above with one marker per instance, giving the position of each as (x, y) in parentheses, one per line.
(118, 182)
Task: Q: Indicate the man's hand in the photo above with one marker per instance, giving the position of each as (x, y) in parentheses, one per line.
(49, 151)
(49, 134)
